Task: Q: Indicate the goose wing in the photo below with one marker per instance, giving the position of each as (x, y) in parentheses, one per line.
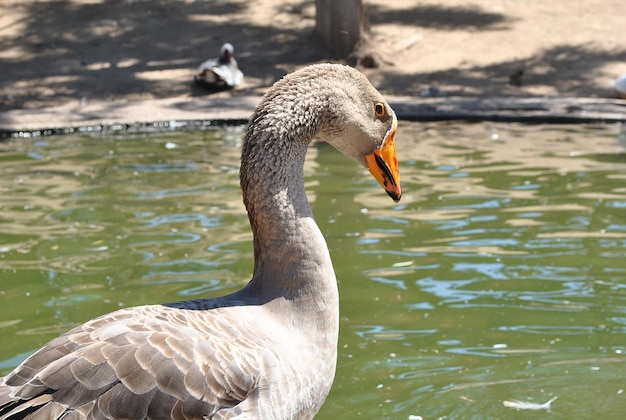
(229, 73)
(146, 362)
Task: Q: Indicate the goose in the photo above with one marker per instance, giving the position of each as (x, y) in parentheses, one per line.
(221, 71)
(267, 351)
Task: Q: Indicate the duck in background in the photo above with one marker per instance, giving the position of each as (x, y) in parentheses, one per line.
(619, 86)
(221, 71)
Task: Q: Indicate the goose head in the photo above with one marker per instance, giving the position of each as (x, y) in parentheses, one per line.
(333, 102)
(363, 127)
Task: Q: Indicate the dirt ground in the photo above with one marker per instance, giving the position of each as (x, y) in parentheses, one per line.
(82, 51)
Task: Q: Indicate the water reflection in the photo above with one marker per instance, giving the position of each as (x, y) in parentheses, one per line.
(499, 276)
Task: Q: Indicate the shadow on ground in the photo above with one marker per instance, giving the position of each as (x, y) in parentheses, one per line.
(570, 70)
(441, 17)
(114, 49)
(69, 50)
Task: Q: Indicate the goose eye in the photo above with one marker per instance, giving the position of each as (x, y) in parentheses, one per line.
(379, 109)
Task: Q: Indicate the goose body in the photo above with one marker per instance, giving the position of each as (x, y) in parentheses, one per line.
(222, 70)
(267, 351)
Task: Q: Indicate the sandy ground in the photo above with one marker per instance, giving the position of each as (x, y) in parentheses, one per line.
(74, 53)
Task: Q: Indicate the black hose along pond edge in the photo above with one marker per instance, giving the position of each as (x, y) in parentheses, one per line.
(532, 110)
(125, 128)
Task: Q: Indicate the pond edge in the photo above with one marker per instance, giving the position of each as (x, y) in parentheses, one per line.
(200, 113)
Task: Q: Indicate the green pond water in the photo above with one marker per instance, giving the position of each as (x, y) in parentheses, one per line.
(500, 276)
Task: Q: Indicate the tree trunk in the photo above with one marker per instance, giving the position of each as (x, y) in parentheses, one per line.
(339, 26)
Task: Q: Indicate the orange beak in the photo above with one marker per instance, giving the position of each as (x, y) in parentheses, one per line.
(383, 165)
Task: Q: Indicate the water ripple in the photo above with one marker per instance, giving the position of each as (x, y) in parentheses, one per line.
(382, 332)
(204, 220)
